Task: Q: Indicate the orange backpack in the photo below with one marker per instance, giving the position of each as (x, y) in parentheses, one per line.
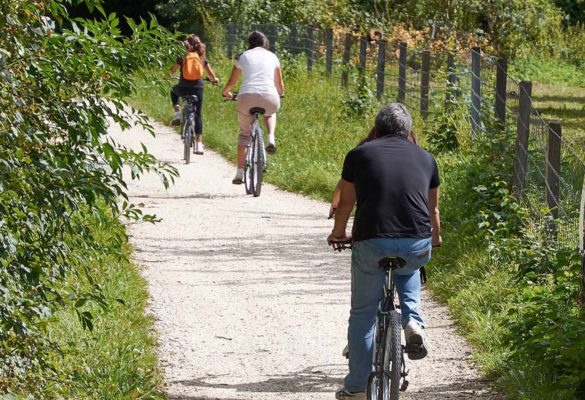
(192, 68)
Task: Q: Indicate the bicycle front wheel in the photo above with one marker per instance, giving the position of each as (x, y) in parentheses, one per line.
(258, 160)
(392, 358)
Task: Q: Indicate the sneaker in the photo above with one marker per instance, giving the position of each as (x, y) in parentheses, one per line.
(271, 148)
(343, 394)
(414, 335)
(239, 178)
(345, 352)
(176, 119)
(198, 148)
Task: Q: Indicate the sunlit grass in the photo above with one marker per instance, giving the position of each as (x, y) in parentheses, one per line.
(117, 359)
(315, 131)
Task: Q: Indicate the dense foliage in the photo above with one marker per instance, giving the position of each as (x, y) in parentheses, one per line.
(57, 166)
(513, 289)
(508, 26)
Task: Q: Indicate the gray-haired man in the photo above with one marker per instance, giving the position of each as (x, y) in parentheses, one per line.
(395, 184)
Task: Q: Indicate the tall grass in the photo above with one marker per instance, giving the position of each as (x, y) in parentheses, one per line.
(312, 137)
(117, 358)
(316, 129)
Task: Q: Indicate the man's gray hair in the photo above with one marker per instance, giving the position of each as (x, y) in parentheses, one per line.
(393, 119)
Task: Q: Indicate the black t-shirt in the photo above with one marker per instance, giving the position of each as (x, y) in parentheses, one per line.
(187, 82)
(392, 178)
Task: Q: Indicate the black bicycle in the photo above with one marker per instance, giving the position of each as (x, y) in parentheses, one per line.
(384, 383)
(388, 359)
(256, 161)
(188, 116)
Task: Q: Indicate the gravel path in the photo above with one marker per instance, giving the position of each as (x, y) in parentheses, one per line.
(249, 301)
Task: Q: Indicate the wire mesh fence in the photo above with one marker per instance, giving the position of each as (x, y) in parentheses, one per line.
(549, 168)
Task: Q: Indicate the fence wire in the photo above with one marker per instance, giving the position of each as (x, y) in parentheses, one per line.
(551, 190)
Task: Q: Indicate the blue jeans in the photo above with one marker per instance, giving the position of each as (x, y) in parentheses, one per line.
(367, 285)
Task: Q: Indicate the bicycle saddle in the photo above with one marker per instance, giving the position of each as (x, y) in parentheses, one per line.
(191, 98)
(392, 263)
(257, 110)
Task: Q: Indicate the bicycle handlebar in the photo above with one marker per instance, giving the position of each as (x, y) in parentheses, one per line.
(339, 245)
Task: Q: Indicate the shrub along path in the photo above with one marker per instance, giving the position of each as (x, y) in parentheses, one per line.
(249, 301)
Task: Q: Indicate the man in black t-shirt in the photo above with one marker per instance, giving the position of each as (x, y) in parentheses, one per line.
(395, 185)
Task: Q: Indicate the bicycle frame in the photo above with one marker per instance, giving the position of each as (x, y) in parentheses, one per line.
(255, 162)
(386, 308)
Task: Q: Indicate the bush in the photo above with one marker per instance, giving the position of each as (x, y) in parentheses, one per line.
(58, 166)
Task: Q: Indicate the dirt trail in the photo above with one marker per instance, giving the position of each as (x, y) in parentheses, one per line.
(249, 301)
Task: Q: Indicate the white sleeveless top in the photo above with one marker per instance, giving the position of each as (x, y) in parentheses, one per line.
(258, 66)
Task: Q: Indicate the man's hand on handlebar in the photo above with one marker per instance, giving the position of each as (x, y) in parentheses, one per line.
(228, 95)
(339, 242)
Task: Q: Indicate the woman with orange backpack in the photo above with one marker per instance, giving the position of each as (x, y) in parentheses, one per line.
(192, 66)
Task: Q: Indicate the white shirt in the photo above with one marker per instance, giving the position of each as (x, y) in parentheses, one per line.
(258, 66)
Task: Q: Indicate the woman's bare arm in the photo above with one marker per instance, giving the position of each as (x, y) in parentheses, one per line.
(211, 74)
(235, 75)
(435, 216)
(344, 208)
(278, 81)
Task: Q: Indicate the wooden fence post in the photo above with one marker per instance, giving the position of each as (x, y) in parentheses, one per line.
(553, 173)
(346, 55)
(292, 42)
(425, 80)
(451, 80)
(273, 37)
(523, 130)
(363, 50)
(310, 48)
(475, 91)
(329, 50)
(501, 92)
(402, 73)
(582, 243)
(381, 68)
(230, 39)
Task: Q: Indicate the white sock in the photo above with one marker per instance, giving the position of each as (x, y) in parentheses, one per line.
(240, 173)
(271, 139)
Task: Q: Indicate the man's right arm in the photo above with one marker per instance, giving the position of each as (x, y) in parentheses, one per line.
(435, 216)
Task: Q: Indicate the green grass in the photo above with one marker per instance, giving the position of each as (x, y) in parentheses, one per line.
(312, 137)
(558, 93)
(117, 359)
(315, 131)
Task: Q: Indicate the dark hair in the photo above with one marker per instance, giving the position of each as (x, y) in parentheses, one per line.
(257, 39)
(373, 134)
(393, 119)
(196, 45)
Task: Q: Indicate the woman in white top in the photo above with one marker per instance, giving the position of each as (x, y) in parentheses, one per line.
(262, 86)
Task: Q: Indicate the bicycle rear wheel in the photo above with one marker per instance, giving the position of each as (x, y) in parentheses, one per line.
(258, 159)
(187, 141)
(392, 358)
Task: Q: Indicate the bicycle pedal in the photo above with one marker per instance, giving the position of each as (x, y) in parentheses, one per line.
(413, 348)
(416, 351)
(404, 386)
